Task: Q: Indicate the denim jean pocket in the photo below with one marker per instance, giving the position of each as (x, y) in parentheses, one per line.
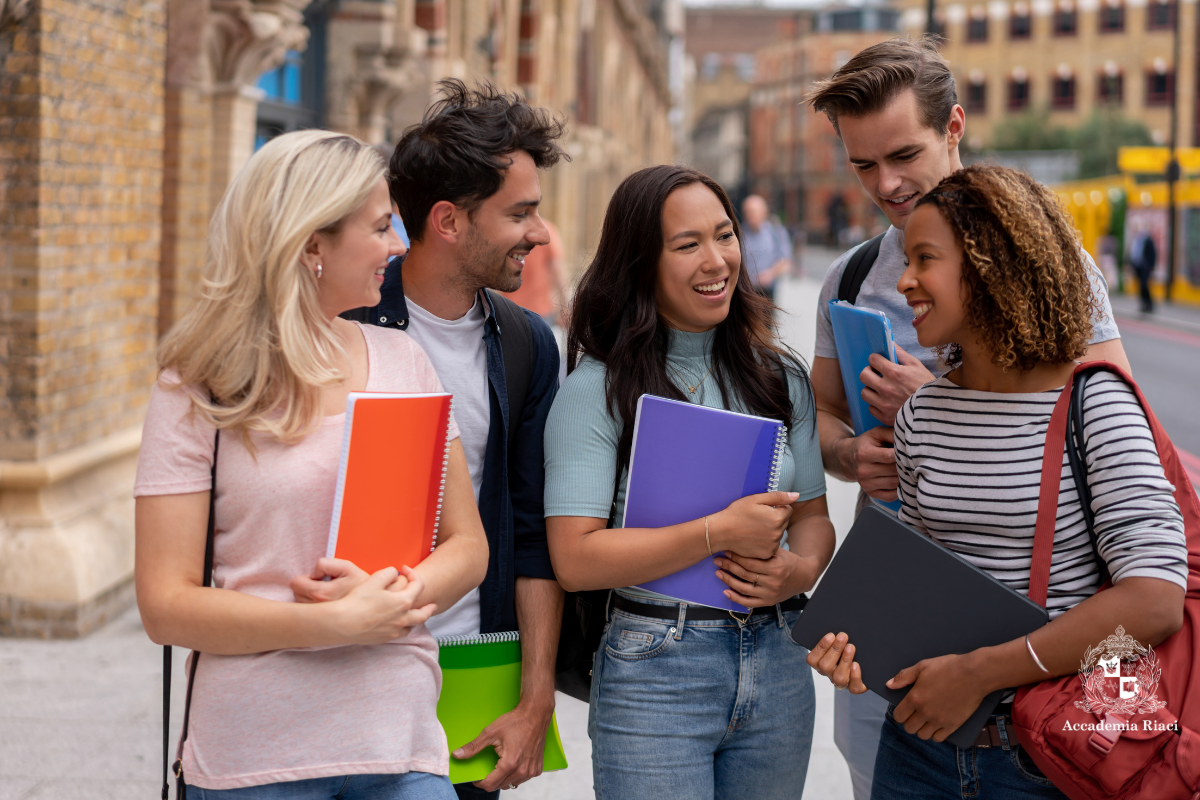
(631, 639)
(1026, 768)
(790, 618)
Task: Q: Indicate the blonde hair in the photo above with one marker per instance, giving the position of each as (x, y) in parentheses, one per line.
(256, 339)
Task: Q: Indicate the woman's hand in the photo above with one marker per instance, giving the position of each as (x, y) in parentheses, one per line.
(344, 576)
(756, 582)
(381, 608)
(945, 692)
(753, 525)
(833, 657)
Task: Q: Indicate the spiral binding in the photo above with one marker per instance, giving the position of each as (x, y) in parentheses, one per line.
(437, 514)
(777, 458)
(480, 638)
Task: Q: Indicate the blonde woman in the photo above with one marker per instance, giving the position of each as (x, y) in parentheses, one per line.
(293, 699)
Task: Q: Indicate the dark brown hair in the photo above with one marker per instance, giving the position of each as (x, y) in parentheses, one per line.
(459, 150)
(614, 316)
(870, 80)
(1028, 294)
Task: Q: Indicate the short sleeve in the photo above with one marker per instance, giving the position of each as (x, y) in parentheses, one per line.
(177, 444)
(825, 345)
(1104, 327)
(581, 447)
(809, 477)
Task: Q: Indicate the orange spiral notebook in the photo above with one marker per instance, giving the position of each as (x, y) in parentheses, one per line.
(391, 480)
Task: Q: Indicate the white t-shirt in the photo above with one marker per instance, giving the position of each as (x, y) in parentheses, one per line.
(459, 356)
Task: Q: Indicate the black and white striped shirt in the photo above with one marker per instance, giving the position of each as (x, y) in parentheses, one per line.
(970, 471)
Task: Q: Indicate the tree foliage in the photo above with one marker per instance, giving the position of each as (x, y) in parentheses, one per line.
(1097, 139)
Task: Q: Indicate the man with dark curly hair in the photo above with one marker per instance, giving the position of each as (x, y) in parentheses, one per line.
(895, 108)
(465, 182)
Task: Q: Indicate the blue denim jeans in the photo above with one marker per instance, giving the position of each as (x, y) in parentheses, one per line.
(700, 710)
(908, 767)
(402, 786)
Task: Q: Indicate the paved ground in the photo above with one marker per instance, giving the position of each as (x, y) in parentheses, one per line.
(82, 719)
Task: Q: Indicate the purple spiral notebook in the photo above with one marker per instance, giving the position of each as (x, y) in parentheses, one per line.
(689, 461)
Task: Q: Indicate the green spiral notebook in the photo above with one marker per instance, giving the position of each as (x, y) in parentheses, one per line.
(481, 680)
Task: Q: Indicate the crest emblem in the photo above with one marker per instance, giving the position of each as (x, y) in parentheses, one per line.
(1120, 676)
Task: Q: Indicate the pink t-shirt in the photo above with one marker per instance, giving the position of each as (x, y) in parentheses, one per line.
(289, 715)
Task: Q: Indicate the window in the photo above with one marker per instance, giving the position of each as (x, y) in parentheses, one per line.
(977, 29)
(1065, 21)
(1020, 26)
(1063, 93)
(1159, 88)
(1018, 94)
(1160, 16)
(1112, 18)
(977, 97)
(1111, 89)
(283, 83)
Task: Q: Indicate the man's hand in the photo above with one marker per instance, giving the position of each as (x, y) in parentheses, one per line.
(887, 385)
(870, 460)
(520, 739)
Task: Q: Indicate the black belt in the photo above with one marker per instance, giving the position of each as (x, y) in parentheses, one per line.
(671, 613)
(990, 735)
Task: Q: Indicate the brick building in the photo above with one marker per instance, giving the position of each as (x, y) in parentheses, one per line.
(796, 159)
(121, 124)
(1071, 57)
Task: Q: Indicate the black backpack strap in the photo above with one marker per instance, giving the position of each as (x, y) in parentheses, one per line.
(857, 268)
(1077, 459)
(516, 343)
(180, 787)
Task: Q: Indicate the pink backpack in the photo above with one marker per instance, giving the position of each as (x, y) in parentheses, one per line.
(1160, 757)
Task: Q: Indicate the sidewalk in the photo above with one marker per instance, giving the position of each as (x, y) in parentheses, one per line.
(1178, 316)
(82, 719)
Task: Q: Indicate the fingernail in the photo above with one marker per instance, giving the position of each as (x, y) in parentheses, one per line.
(794, 495)
(458, 753)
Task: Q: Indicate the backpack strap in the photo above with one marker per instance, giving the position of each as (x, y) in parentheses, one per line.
(180, 787)
(1077, 458)
(857, 268)
(516, 344)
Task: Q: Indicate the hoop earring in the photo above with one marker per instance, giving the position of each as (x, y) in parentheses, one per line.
(319, 271)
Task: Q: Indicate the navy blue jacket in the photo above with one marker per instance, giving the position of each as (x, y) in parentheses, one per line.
(511, 496)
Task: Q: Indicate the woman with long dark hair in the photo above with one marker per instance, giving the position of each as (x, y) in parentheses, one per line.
(687, 701)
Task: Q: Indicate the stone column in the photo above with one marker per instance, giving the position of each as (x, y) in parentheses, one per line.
(81, 119)
(242, 40)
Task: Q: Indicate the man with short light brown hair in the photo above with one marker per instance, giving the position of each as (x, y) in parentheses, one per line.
(895, 107)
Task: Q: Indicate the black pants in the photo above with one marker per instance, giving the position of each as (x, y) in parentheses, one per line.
(469, 791)
(1144, 290)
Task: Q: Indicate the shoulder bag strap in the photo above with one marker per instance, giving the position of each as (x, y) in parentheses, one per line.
(857, 268)
(1077, 457)
(1047, 512)
(180, 787)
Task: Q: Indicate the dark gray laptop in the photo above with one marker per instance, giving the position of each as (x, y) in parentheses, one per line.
(902, 597)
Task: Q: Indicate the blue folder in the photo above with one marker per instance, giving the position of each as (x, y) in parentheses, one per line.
(858, 332)
(689, 461)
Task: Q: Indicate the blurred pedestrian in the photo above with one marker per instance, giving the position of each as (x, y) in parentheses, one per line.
(293, 699)
(767, 246)
(687, 701)
(1143, 259)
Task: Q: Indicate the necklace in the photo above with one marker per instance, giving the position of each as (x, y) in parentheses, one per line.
(692, 389)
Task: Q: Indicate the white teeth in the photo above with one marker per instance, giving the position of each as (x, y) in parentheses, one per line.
(902, 200)
(712, 287)
(519, 256)
(920, 309)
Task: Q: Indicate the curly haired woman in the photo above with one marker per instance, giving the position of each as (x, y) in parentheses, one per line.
(997, 282)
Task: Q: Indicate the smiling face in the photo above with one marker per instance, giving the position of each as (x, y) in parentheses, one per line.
(503, 229)
(897, 157)
(700, 261)
(932, 282)
(353, 259)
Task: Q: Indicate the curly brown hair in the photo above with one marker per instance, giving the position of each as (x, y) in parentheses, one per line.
(1029, 297)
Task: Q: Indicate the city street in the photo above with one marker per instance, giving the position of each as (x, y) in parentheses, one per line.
(81, 719)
